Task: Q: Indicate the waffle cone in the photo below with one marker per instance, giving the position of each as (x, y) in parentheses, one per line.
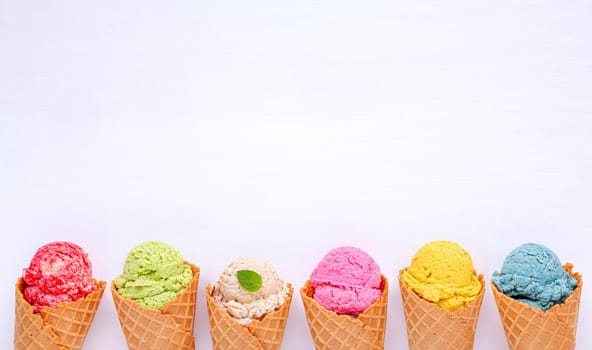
(530, 328)
(63, 327)
(331, 331)
(432, 327)
(170, 328)
(264, 334)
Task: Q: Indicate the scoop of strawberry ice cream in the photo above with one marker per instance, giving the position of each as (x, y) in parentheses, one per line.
(58, 272)
(347, 281)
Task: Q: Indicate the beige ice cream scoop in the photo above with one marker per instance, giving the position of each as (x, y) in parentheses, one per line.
(251, 297)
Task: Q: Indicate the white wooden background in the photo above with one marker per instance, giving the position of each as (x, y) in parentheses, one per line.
(231, 128)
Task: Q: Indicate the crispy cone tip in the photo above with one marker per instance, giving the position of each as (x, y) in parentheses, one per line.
(63, 327)
(170, 328)
(529, 327)
(432, 327)
(261, 334)
(331, 331)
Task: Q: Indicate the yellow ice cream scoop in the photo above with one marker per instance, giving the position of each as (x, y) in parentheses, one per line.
(442, 272)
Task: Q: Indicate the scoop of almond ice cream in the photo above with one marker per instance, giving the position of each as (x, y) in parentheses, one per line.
(242, 304)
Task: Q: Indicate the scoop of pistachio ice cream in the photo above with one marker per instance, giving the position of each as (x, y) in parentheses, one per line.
(250, 297)
(153, 274)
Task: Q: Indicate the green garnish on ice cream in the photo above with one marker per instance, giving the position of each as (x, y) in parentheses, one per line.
(153, 274)
(250, 280)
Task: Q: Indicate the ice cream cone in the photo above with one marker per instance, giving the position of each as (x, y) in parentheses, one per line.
(63, 327)
(530, 328)
(264, 334)
(432, 327)
(331, 331)
(170, 328)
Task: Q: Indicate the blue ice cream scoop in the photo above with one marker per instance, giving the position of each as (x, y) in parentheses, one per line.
(533, 274)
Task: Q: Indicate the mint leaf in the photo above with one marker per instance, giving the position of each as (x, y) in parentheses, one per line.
(251, 281)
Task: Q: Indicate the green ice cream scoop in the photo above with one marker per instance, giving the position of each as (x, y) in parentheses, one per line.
(153, 274)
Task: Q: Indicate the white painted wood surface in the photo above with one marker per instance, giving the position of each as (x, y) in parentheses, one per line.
(229, 128)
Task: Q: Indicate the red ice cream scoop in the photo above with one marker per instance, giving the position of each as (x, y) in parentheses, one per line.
(58, 272)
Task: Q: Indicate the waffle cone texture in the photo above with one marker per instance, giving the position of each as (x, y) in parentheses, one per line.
(430, 327)
(261, 334)
(331, 331)
(63, 327)
(170, 328)
(529, 328)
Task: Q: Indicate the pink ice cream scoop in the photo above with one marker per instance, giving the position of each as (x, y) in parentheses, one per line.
(346, 281)
(58, 272)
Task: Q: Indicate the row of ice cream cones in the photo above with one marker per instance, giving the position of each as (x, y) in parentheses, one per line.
(428, 326)
(345, 300)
